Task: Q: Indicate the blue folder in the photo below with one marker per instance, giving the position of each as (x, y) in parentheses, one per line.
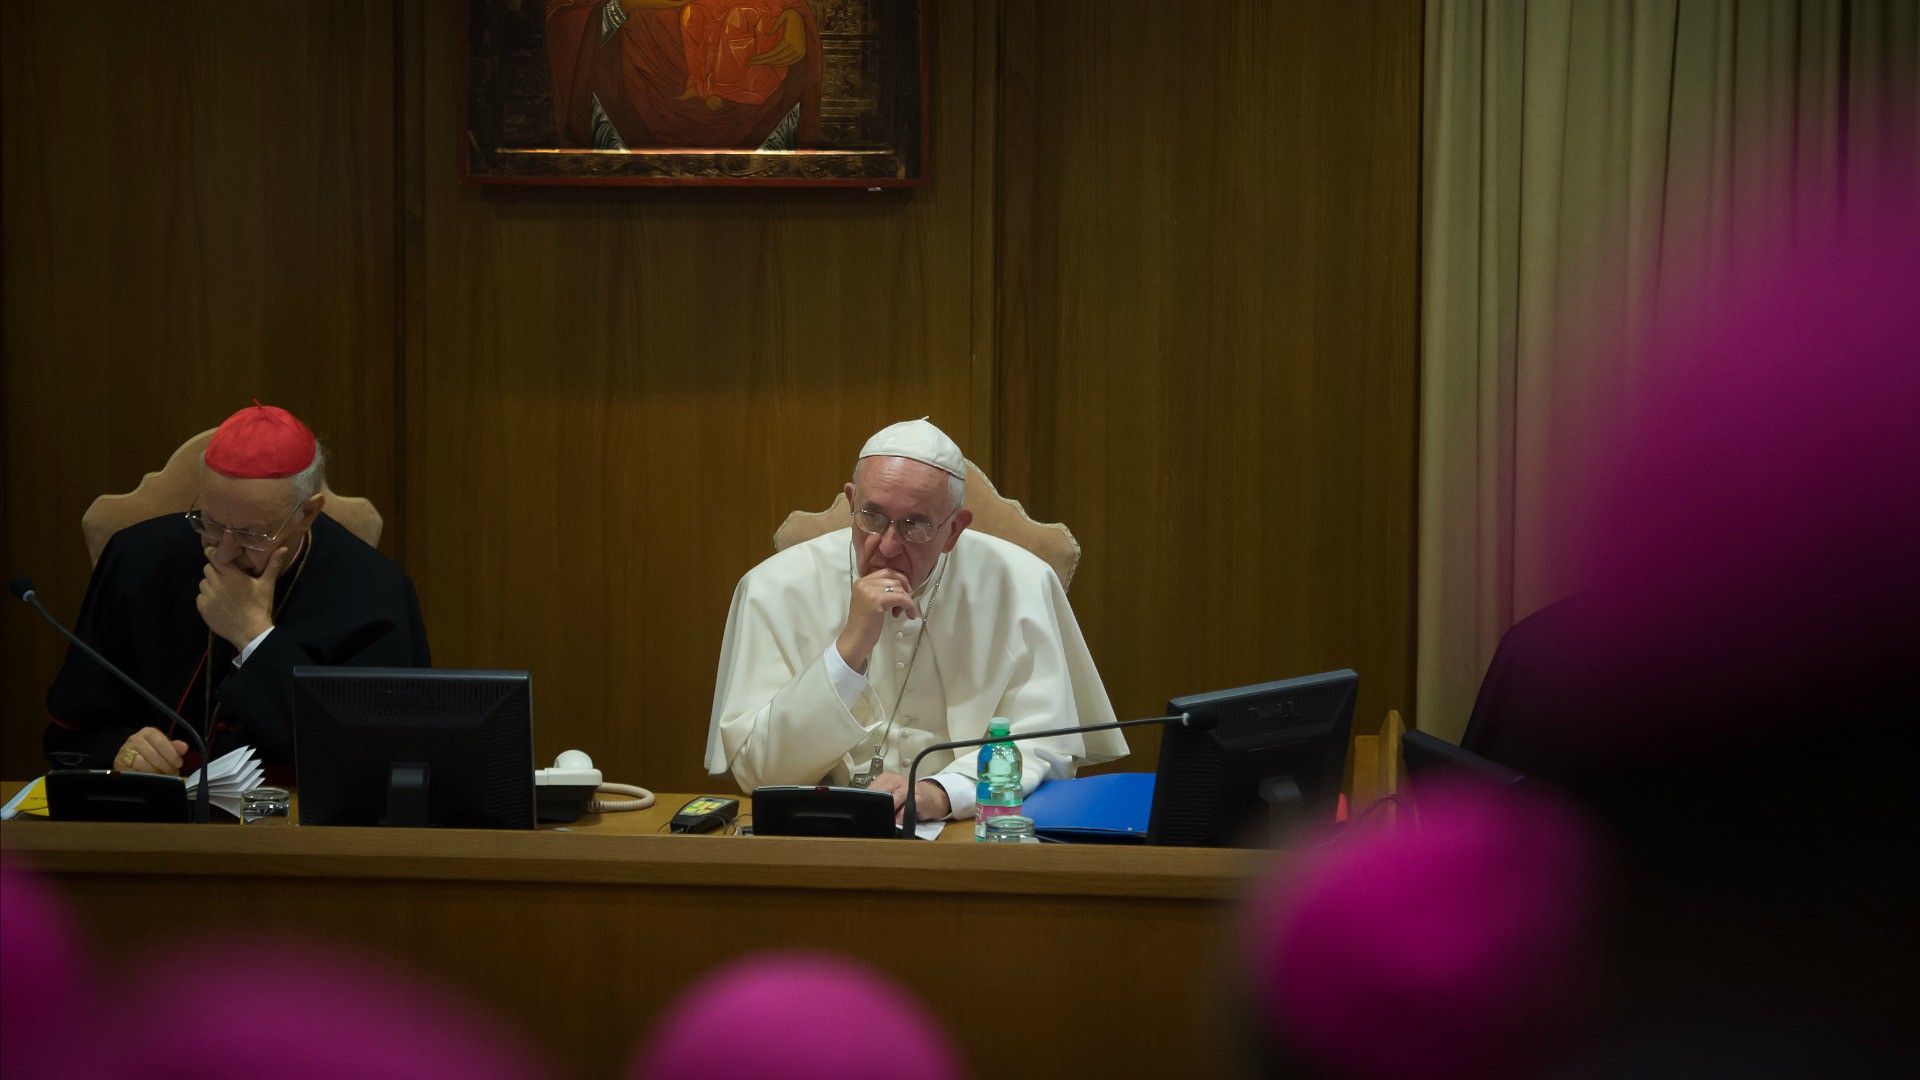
(1112, 808)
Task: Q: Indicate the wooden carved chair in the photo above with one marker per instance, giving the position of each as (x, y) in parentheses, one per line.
(1379, 773)
(993, 514)
(173, 489)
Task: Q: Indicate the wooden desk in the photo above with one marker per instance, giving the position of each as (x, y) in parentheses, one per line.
(585, 933)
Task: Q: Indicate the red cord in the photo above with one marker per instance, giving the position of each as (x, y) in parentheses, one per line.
(183, 694)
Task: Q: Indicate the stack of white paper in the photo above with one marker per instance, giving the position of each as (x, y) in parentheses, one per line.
(229, 776)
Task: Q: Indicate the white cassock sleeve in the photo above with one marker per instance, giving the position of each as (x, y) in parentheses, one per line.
(777, 716)
(848, 683)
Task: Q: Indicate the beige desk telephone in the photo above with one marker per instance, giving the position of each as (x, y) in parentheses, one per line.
(568, 790)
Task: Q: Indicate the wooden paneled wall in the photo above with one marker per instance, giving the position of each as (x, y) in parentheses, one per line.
(1208, 245)
(618, 395)
(1161, 285)
(198, 210)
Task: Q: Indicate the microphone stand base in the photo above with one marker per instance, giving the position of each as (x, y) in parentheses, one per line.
(98, 795)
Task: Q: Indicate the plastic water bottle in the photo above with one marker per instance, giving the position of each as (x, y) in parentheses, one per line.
(999, 788)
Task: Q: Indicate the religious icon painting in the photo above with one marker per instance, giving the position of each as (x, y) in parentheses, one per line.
(696, 92)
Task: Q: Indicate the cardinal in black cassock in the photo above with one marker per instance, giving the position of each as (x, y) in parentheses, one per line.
(211, 611)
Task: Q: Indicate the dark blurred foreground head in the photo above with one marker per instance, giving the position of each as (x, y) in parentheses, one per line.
(230, 1008)
(1731, 690)
(46, 974)
(798, 1016)
(1463, 946)
(239, 1008)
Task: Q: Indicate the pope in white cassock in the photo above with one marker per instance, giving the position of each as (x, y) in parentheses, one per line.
(847, 655)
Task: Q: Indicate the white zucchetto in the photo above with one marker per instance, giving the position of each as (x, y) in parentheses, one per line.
(920, 441)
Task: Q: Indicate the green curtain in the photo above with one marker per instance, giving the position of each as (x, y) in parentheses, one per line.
(1584, 161)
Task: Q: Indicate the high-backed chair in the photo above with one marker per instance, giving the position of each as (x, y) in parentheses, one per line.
(1528, 690)
(173, 488)
(1378, 770)
(993, 514)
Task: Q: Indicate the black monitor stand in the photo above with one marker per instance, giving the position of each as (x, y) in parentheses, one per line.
(1286, 806)
(407, 795)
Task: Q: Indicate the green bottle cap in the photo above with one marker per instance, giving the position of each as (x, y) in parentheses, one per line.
(1000, 726)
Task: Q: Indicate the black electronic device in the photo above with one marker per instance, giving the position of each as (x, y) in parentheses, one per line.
(810, 810)
(414, 748)
(1268, 763)
(104, 794)
(1430, 758)
(99, 795)
(704, 814)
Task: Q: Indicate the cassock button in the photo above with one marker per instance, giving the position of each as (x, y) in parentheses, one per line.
(899, 663)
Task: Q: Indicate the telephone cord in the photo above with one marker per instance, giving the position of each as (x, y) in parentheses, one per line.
(642, 798)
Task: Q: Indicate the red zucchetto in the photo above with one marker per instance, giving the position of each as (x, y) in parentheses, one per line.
(260, 443)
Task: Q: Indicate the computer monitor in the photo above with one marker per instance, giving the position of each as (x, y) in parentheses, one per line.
(1431, 758)
(1264, 762)
(414, 748)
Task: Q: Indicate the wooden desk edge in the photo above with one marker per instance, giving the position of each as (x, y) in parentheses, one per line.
(580, 858)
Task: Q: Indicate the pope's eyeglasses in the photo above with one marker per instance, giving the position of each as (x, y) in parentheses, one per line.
(875, 523)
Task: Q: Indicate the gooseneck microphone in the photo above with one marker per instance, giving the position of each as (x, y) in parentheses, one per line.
(22, 589)
(1202, 722)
